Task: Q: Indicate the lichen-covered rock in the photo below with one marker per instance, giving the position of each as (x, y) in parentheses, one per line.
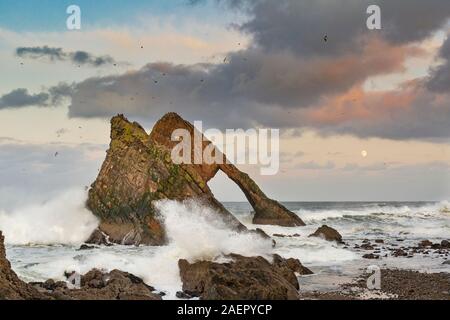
(139, 170)
(243, 278)
(327, 233)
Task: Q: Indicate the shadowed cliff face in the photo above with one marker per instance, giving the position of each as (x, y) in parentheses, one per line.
(11, 287)
(138, 170)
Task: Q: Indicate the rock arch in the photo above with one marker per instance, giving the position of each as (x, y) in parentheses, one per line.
(138, 170)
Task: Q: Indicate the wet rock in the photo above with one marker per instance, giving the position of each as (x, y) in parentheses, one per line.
(243, 279)
(425, 244)
(327, 233)
(371, 256)
(98, 285)
(86, 247)
(379, 241)
(183, 295)
(399, 253)
(11, 287)
(287, 266)
(278, 235)
(446, 262)
(50, 285)
(100, 238)
(445, 244)
(367, 246)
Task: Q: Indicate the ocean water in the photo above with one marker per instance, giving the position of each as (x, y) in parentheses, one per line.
(41, 244)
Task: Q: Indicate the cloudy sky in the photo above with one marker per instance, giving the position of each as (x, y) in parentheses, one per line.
(232, 64)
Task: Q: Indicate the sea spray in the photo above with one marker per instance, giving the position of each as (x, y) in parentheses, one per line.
(199, 233)
(194, 232)
(62, 220)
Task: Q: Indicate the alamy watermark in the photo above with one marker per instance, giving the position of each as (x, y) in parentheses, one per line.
(374, 20)
(73, 22)
(74, 280)
(374, 280)
(252, 146)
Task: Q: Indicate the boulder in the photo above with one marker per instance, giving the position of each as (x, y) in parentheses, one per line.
(11, 287)
(242, 278)
(425, 244)
(367, 246)
(327, 233)
(400, 253)
(98, 285)
(445, 244)
(371, 256)
(139, 170)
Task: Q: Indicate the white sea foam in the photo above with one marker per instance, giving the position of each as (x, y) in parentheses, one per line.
(195, 232)
(441, 209)
(200, 233)
(63, 220)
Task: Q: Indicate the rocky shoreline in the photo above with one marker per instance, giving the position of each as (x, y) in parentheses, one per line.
(241, 278)
(396, 284)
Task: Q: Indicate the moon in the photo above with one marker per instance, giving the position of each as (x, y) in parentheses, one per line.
(364, 153)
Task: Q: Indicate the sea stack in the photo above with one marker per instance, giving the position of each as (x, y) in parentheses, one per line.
(138, 170)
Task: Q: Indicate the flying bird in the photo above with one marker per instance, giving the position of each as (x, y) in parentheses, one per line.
(56, 154)
(325, 38)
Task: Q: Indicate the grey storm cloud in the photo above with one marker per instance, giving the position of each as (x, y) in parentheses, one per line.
(19, 98)
(288, 69)
(300, 26)
(245, 90)
(57, 54)
(53, 96)
(439, 80)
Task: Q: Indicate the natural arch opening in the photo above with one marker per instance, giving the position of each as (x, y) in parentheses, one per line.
(231, 196)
